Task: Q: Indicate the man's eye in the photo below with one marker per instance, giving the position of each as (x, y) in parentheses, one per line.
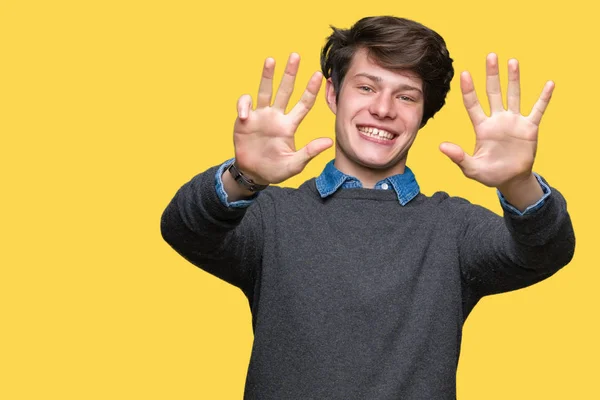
(364, 89)
(405, 98)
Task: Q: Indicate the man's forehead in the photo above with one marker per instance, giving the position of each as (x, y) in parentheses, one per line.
(365, 65)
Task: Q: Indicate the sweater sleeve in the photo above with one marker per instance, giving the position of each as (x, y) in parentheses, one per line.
(500, 254)
(223, 241)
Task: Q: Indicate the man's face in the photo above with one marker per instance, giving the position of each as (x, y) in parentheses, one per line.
(378, 114)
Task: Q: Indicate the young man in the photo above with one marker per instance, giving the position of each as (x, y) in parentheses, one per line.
(359, 285)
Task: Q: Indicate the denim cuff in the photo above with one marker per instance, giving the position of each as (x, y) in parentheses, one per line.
(221, 190)
(532, 208)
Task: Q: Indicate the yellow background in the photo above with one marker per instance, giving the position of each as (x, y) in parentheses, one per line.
(108, 107)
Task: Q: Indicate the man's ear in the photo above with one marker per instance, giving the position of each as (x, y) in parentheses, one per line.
(330, 95)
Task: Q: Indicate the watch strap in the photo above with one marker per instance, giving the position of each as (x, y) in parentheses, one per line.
(243, 180)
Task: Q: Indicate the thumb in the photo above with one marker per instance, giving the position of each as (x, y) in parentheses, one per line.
(457, 155)
(244, 105)
(308, 152)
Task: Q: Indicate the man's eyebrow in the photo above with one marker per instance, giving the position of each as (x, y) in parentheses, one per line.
(371, 77)
(378, 79)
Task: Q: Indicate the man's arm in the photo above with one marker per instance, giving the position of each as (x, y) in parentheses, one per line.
(224, 241)
(500, 254)
(526, 247)
(202, 223)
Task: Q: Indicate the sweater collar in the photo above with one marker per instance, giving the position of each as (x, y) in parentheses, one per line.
(332, 179)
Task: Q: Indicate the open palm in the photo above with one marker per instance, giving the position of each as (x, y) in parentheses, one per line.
(264, 137)
(505, 141)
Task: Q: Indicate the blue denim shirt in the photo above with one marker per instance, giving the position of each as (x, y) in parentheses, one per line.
(405, 185)
(331, 179)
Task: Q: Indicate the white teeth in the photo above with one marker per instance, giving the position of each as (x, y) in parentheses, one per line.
(374, 132)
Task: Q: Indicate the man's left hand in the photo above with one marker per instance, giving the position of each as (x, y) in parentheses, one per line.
(505, 141)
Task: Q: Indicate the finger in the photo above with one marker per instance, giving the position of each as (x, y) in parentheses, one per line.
(308, 152)
(540, 106)
(308, 99)
(458, 156)
(493, 90)
(513, 93)
(470, 100)
(244, 105)
(286, 87)
(265, 89)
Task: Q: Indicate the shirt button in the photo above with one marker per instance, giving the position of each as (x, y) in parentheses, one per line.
(385, 186)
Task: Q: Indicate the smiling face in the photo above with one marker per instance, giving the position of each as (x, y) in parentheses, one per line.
(378, 114)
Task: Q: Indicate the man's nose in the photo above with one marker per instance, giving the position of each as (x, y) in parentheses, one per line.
(383, 107)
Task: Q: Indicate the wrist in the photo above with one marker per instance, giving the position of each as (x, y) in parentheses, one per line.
(522, 192)
(233, 191)
(245, 182)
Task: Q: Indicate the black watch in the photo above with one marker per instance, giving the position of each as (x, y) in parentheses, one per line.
(243, 180)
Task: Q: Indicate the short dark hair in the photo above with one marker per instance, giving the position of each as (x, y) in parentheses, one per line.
(396, 44)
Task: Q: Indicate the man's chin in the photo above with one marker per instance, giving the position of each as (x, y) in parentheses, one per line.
(381, 164)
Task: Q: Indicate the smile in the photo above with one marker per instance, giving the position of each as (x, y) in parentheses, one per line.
(376, 133)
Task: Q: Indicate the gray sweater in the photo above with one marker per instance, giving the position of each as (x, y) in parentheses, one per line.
(355, 296)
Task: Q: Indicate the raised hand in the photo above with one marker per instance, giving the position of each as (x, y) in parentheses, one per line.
(506, 141)
(264, 137)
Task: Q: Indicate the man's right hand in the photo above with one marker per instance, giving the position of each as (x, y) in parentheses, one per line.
(264, 137)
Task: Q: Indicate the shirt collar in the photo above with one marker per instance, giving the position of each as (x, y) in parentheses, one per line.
(332, 179)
